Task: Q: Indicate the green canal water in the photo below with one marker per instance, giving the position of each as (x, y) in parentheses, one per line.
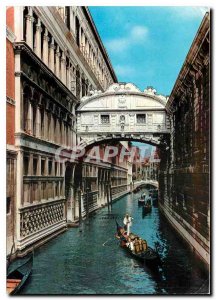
(91, 261)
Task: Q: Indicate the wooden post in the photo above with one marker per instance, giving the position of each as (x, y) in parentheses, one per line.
(87, 204)
(110, 190)
(108, 204)
(80, 209)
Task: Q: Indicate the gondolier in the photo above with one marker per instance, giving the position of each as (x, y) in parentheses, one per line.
(128, 223)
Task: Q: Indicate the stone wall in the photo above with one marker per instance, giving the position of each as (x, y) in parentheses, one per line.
(184, 176)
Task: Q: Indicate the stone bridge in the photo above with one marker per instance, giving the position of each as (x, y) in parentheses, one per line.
(122, 112)
(146, 182)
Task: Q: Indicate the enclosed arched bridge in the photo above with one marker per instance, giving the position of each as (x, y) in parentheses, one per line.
(122, 112)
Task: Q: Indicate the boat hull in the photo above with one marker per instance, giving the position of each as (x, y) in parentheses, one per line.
(22, 273)
(150, 256)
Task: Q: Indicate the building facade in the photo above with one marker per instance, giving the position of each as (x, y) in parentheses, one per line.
(10, 135)
(185, 170)
(150, 165)
(54, 58)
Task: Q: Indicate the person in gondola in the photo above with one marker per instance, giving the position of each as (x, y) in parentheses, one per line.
(144, 245)
(136, 246)
(130, 244)
(125, 221)
(128, 223)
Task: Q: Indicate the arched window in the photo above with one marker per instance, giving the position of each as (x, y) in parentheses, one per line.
(25, 114)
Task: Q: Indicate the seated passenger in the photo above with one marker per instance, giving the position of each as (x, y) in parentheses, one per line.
(144, 245)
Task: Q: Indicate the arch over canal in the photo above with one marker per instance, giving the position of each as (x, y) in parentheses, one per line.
(122, 112)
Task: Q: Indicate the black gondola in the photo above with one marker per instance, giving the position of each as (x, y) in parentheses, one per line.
(141, 201)
(149, 256)
(17, 278)
(147, 208)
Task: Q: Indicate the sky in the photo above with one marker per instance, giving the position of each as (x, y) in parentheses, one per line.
(147, 45)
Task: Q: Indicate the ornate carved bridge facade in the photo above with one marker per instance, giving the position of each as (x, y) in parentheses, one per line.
(122, 112)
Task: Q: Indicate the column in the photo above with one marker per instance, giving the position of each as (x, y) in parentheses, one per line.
(72, 199)
(37, 46)
(39, 182)
(31, 164)
(87, 50)
(38, 123)
(57, 54)
(29, 118)
(80, 36)
(52, 133)
(46, 174)
(45, 125)
(52, 55)
(63, 68)
(29, 28)
(69, 137)
(83, 43)
(45, 47)
(19, 190)
(66, 143)
(68, 77)
(54, 182)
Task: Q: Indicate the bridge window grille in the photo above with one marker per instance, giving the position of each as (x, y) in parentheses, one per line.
(141, 118)
(105, 119)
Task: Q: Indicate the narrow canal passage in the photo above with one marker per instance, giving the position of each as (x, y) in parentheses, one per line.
(91, 261)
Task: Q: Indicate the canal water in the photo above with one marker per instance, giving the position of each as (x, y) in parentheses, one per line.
(91, 261)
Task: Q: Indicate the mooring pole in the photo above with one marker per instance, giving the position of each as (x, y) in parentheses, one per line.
(108, 204)
(80, 209)
(110, 190)
(87, 205)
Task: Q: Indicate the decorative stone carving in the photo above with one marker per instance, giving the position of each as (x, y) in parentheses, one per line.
(34, 219)
(122, 101)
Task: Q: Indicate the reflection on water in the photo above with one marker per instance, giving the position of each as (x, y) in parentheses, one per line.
(91, 261)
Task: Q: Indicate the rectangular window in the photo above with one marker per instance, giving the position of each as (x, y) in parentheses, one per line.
(141, 118)
(8, 205)
(42, 167)
(67, 16)
(35, 162)
(77, 28)
(105, 119)
(25, 165)
(50, 167)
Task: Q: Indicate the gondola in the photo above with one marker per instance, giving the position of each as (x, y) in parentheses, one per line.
(136, 190)
(17, 278)
(141, 201)
(149, 256)
(147, 208)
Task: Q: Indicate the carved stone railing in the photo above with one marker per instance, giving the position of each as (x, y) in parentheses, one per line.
(40, 216)
(119, 189)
